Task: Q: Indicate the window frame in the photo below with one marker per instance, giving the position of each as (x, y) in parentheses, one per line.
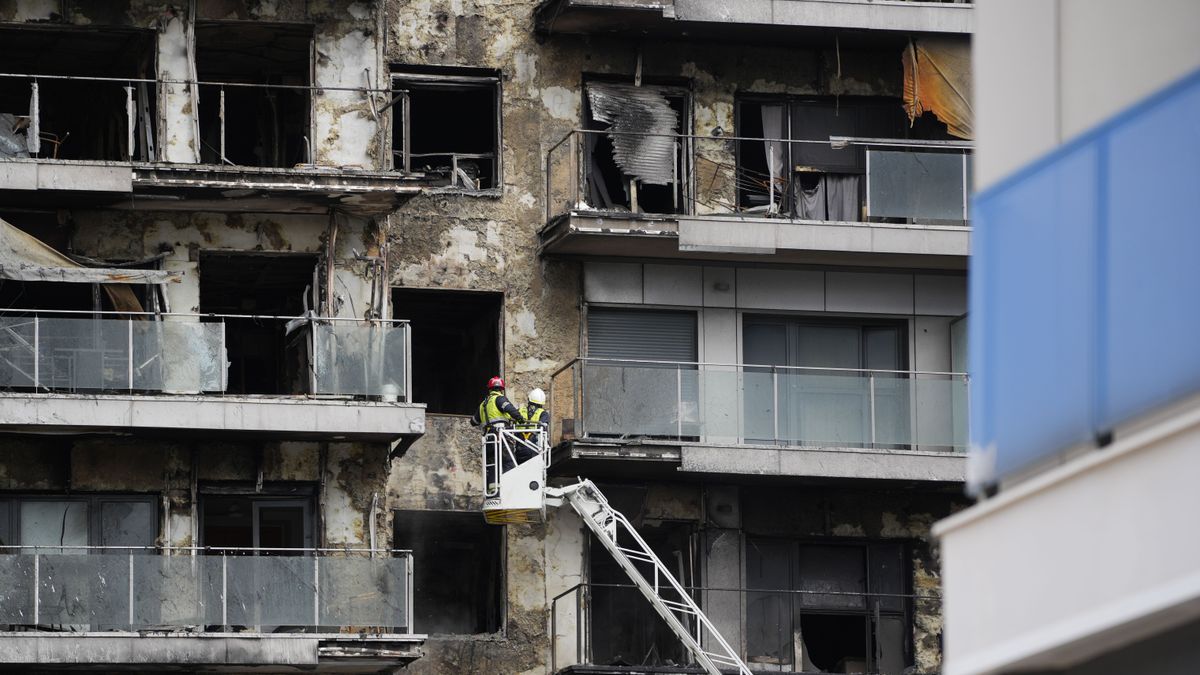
(94, 502)
(907, 613)
(403, 78)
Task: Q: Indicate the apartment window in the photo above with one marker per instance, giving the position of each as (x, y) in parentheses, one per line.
(78, 520)
(76, 119)
(641, 376)
(263, 357)
(634, 159)
(455, 345)
(833, 382)
(827, 607)
(271, 521)
(457, 573)
(264, 125)
(812, 181)
(446, 126)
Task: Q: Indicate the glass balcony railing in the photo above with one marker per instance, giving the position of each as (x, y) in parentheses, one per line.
(191, 353)
(263, 590)
(773, 405)
(884, 180)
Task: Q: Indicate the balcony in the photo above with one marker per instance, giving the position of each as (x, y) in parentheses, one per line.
(759, 20)
(170, 373)
(762, 420)
(822, 627)
(910, 207)
(120, 606)
(196, 160)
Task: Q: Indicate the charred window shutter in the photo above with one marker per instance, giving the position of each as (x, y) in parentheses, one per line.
(641, 334)
(637, 110)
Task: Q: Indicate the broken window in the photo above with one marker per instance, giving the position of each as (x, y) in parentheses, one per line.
(78, 520)
(638, 163)
(625, 628)
(455, 345)
(446, 126)
(809, 178)
(78, 118)
(264, 125)
(263, 357)
(458, 577)
(824, 607)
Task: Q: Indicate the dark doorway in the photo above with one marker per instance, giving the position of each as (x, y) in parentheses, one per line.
(451, 133)
(458, 574)
(455, 345)
(263, 358)
(264, 126)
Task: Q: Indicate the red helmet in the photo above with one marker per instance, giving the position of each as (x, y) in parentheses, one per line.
(496, 383)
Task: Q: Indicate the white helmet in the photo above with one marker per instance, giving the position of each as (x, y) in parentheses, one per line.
(537, 396)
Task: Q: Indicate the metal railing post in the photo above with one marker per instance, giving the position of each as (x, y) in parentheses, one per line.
(316, 590)
(871, 396)
(775, 402)
(224, 592)
(37, 588)
(37, 353)
(131, 588)
(129, 353)
(679, 401)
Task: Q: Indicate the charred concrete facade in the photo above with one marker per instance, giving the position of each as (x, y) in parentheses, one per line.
(400, 167)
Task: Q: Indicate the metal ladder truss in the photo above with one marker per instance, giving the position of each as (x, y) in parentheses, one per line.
(668, 597)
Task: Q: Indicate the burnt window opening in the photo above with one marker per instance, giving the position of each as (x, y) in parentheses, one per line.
(639, 164)
(828, 607)
(263, 357)
(446, 126)
(455, 345)
(76, 119)
(625, 630)
(256, 520)
(264, 125)
(458, 578)
(815, 181)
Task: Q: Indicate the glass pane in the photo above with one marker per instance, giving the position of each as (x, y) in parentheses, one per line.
(362, 360)
(364, 592)
(826, 410)
(280, 526)
(888, 572)
(827, 347)
(84, 592)
(915, 184)
(83, 354)
(16, 589)
(837, 569)
(128, 524)
(270, 592)
(16, 352)
(54, 524)
(640, 400)
(769, 615)
(889, 646)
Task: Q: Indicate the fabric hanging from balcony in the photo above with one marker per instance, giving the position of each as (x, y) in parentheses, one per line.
(772, 123)
(638, 110)
(833, 197)
(24, 257)
(937, 79)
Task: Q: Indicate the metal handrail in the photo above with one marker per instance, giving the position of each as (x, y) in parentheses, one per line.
(832, 140)
(867, 371)
(214, 83)
(164, 547)
(208, 315)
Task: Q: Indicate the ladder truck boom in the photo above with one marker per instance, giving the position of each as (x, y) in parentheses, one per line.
(520, 495)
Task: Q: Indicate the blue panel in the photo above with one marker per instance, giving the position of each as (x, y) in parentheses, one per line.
(1152, 325)
(1085, 284)
(1038, 290)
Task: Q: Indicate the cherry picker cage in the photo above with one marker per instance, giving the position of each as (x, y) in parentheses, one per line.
(516, 492)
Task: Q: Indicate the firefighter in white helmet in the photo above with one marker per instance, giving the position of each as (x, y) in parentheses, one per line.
(534, 411)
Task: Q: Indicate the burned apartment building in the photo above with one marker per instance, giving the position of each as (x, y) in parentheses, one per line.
(259, 259)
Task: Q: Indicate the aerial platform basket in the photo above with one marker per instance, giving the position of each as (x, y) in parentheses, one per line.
(519, 494)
